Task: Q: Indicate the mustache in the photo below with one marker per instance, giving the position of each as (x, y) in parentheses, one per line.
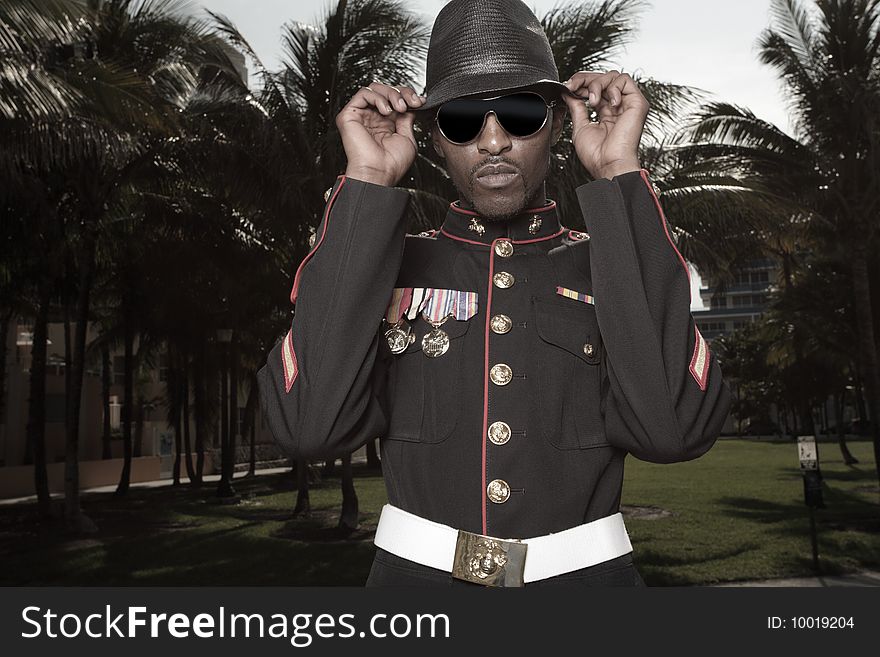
(493, 161)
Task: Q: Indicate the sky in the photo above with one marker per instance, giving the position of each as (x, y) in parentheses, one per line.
(707, 44)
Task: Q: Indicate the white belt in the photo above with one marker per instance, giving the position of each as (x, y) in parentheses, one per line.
(500, 562)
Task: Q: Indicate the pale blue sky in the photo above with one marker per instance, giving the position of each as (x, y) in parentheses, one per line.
(709, 44)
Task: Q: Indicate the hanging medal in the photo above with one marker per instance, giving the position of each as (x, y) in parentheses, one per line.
(400, 337)
(435, 342)
(439, 307)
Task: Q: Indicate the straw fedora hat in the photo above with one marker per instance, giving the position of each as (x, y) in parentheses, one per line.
(483, 47)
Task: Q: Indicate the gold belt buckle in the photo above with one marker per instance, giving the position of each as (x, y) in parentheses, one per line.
(488, 560)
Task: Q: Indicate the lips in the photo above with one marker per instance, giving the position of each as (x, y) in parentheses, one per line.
(494, 169)
(496, 176)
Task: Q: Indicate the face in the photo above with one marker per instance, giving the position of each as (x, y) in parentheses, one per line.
(502, 195)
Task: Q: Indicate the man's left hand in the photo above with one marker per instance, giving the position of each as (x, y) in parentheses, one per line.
(609, 147)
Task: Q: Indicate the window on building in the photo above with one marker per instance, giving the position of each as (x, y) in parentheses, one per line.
(115, 413)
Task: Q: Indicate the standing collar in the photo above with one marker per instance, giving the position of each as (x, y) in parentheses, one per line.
(533, 225)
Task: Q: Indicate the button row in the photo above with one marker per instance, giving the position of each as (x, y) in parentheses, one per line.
(499, 432)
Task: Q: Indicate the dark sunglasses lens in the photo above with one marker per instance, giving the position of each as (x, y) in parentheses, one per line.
(521, 114)
(461, 120)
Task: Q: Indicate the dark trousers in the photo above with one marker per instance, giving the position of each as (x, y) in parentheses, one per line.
(390, 570)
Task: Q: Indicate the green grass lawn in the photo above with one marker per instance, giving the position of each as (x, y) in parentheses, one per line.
(736, 513)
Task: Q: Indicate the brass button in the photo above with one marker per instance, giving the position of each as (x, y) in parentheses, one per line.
(503, 279)
(499, 432)
(504, 248)
(588, 349)
(501, 324)
(498, 491)
(501, 374)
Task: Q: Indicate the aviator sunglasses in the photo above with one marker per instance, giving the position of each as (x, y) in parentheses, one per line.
(521, 115)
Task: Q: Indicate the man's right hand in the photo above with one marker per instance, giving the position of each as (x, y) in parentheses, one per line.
(377, 133)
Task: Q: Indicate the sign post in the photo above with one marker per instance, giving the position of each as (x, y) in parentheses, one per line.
(808, 454)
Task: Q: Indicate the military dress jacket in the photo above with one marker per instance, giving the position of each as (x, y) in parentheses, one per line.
(581, 349)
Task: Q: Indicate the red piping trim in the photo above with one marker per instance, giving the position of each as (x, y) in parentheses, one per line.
(530, 241)
(699, 377)
(486, 382)
(644, 174)
(295, 291)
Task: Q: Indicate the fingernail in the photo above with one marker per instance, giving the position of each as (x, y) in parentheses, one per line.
(401, 103)
(593, 98)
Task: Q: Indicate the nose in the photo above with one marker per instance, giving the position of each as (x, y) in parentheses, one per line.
(493, 139)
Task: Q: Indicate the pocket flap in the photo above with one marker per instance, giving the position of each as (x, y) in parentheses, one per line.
(572, 327)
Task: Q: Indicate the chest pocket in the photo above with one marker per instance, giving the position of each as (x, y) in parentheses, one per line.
(424, 403)
(567, 363)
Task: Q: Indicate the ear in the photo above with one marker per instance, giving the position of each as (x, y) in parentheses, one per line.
(435, 140)
(559, 113)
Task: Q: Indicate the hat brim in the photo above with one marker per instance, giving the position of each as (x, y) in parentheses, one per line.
(549, 89)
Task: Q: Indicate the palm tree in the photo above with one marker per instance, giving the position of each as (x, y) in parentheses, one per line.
(300, 150)
(823, 181)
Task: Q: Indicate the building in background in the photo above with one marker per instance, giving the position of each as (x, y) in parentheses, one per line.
(152, 437)
(733, 306)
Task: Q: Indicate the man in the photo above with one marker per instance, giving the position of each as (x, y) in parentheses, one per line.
(508, 364)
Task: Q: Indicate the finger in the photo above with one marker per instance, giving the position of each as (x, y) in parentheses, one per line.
(599, 88)
(577, 108)
(412, 98)
(404, 126)
(384, 97)
(400, 99)
(367, 97)
(619, 87)
(580, 81)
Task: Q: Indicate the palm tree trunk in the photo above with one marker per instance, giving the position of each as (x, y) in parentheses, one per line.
(176, 403)
(106, 382)
(839, 406)
(348, 518)
(128, 400)
(187, 445)
(303, 503)
(224, 486)
(5, 320)
(372, 455)
(139, 412)
(250, 425)
(73, 515)
(867, 344)
(233, 406)
(178, 437)
(199, 392)
(36, 427)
